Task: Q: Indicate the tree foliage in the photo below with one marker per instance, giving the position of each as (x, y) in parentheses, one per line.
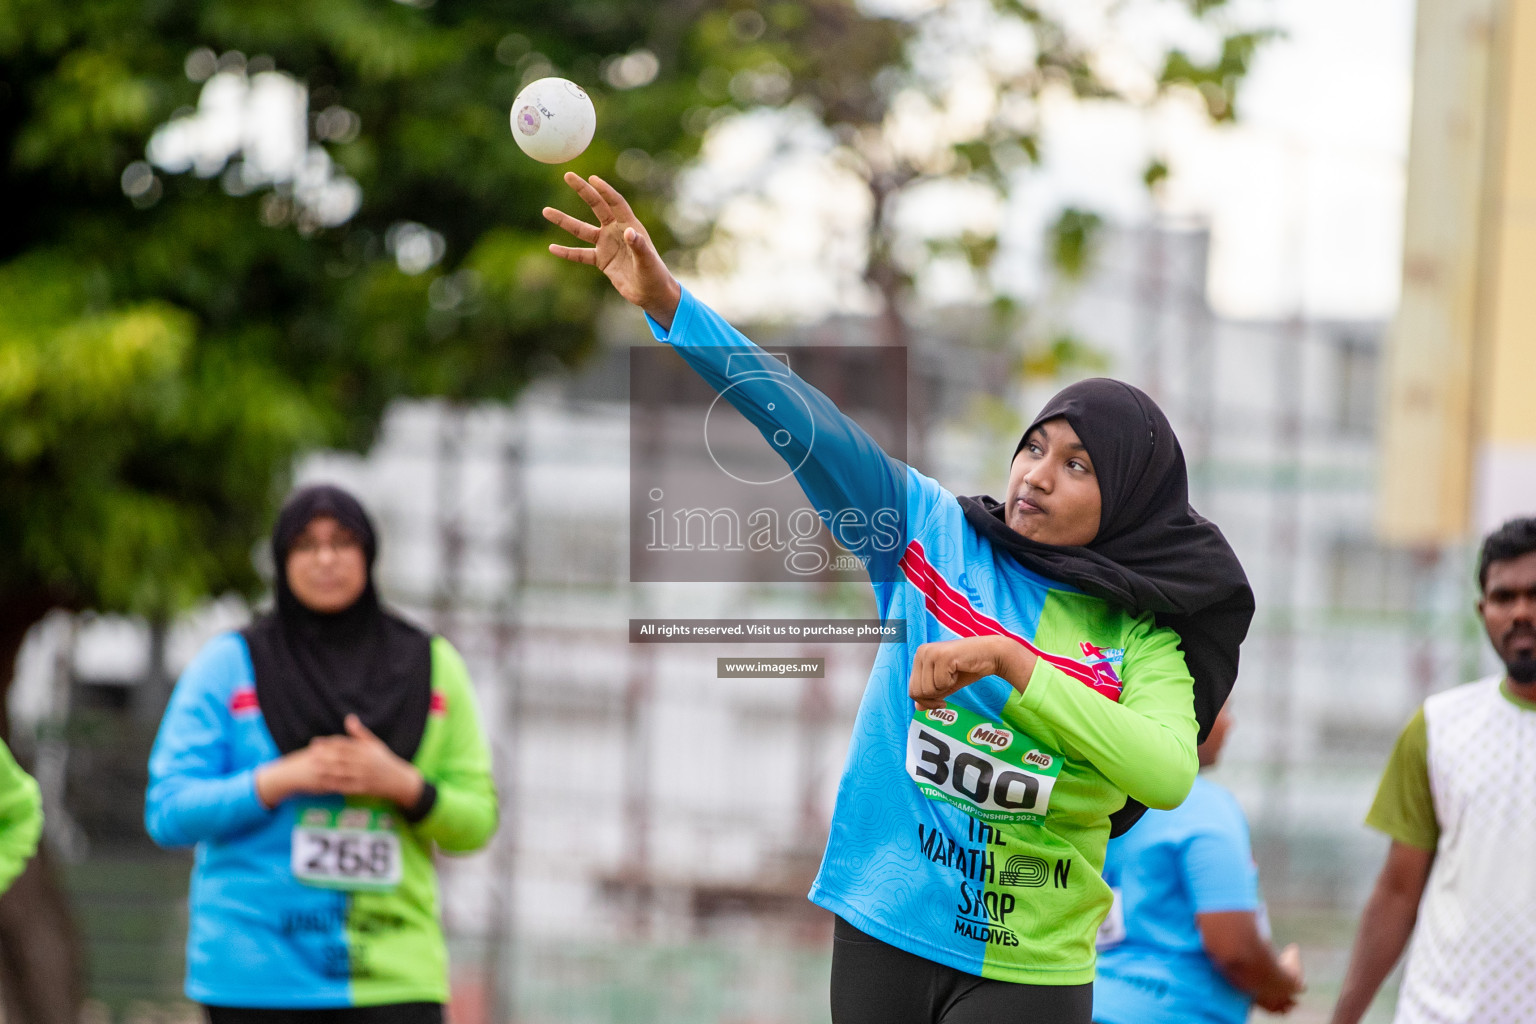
(967, 103)
(170, 337)
(185, 305)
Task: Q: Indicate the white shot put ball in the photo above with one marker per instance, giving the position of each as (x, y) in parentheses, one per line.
(553, 120)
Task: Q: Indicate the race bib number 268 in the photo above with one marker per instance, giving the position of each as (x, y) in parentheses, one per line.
(351, 848)
(989, 771)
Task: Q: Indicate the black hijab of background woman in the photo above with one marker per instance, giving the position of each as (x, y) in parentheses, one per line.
(1153, 552)
(313, 669)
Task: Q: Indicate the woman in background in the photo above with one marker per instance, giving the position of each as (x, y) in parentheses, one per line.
(314, 759)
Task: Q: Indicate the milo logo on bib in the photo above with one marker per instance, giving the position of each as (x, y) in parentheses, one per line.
(988, 770)
(989, 736)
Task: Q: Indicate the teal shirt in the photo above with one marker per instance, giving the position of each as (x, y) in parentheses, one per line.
(1173, 866)
(974, 840)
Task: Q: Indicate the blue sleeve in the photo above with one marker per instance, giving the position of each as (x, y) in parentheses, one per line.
(195, 793)
(858, 490)
(1218, 868)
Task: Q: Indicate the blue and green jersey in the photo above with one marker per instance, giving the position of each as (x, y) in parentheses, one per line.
(321, 901)
(973, 836)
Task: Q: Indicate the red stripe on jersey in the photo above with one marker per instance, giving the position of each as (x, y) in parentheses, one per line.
(952, 609)
(439, 704)
(242, 700)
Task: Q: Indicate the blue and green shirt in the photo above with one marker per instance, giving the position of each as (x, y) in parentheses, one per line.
(260, 937)
(973, 835)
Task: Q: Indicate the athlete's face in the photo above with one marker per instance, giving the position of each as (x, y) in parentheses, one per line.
(327, 569)
(1508, 608)
(1053, 495)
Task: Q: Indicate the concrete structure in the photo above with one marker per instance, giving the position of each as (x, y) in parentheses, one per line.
(1463, 351)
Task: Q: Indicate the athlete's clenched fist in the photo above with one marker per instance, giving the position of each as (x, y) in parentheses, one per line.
(939, 669)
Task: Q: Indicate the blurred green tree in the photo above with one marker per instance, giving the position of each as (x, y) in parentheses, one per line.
(236, 229)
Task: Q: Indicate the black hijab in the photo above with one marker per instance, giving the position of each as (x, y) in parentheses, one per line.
(1153, 552)
(313, 669)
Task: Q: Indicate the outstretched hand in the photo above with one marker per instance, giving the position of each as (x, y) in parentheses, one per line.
(620, 248)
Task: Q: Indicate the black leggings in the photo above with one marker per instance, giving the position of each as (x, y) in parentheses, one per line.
(876, 983)
(393, 1013)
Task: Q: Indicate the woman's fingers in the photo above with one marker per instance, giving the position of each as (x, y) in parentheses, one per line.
(647, 259)
(340, 778)
(926, 698)
(340, 756)
(591, 196)
(360, 732)
(923, 687)
(943, 677)
(939, 670)
(575, 255)
(580, 228)
(615, 201)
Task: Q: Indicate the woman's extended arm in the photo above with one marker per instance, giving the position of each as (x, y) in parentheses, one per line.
(858, 490)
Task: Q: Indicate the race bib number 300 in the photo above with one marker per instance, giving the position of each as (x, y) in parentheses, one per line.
(987, 770)
(351, 848)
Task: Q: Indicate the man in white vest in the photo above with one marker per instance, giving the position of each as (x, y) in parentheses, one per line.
(1458, 800)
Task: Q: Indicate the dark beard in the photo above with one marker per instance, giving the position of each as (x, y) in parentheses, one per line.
(1522, 669)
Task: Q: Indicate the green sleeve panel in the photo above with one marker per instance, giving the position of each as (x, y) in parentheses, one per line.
(1144, 745)
(1404, 807)
(21, 818)
(395, 938)
(456, 758)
